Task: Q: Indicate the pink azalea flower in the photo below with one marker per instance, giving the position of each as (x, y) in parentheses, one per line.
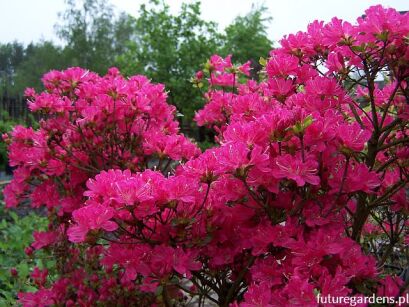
(245, 68)
(282, 66)
(233, 157)
(43, 297)
(353, 136)
(223, 79)
(91, 217)
(257, 296)
(293, 168)
(219, 63)
(44, 239)
(132, 191)
(390, 286)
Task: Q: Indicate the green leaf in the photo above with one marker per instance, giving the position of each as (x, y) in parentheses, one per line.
(262, 61)
(23, 269)
(13, 215)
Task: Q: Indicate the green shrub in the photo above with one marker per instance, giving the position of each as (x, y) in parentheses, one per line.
(15, 235)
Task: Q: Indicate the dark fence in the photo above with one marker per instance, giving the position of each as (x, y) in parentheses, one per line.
(16, 108)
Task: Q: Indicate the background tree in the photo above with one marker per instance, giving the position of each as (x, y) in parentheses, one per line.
(92, 36)
(246, 38)
(11, 55)
(170, 49)
(38, 59)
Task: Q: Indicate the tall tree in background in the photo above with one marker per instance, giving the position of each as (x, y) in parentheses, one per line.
(38, 59)
(11, 55)
(92, 34)
(246, 38)
(169, 48)
(21, 66)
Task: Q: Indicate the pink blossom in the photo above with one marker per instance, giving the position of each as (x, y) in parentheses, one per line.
(233, 157)
(245, 68)
(390, 286)
(257, 296)
(290, 167)
(39, 276)
(43, 297)
(219, 63)
(44, 239)
(223, 79)
(91, 217)
(353, 136)
(282, 66)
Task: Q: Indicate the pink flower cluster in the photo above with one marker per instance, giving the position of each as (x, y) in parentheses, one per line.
(304, 194)
(89, 124)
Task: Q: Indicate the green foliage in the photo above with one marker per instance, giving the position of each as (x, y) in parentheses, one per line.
(169, 48)
(92, 34)
(206, 145)
(15, 235)
(246, 38)
(22, 67)
(11, 55)
(6, 124)
(38, 59)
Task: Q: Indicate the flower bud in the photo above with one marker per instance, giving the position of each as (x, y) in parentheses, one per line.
(13, 272)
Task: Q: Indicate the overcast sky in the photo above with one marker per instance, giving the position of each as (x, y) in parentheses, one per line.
(33, 20)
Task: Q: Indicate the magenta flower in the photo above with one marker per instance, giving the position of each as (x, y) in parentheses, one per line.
(42, 297)
(44, 239)
(91, 217)
(293, 168)
(282, 65)
(258, 296)
(353, 136)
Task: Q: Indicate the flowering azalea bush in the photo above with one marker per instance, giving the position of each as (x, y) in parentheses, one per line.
(305, 193)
